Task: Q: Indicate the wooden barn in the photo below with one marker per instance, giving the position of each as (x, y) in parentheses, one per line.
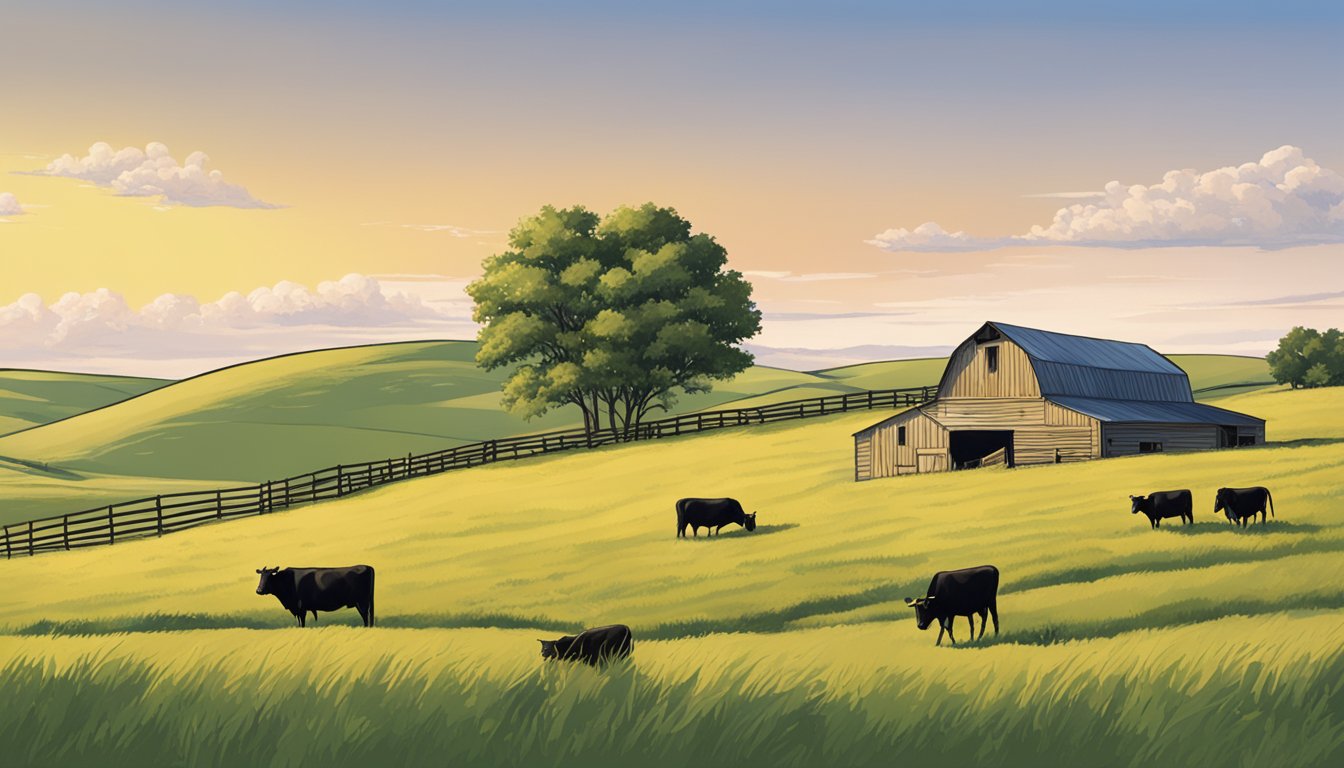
(1017, 396)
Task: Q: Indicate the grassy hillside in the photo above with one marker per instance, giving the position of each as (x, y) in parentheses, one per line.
(1219, 376)
(1117, 640)
(30, 398)
(299, 412)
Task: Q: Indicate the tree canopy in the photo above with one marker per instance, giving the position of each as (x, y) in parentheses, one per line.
(1307, 357)
(614, 315)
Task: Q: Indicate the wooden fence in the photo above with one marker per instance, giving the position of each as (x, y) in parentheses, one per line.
(165, 513)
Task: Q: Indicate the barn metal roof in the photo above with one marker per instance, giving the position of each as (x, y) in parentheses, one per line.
(1081, 366)
(1087, 351)
(1149, 412)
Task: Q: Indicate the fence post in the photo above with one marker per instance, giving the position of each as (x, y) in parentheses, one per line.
(158, 513)
(65, 530)
(409, 465)
(219, 505)
(287, 502)
(261, 498)
(30, 538)
(8, 554)
(340, 476)
(111, 526)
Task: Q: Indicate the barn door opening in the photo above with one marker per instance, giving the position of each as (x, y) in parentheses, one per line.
(981, 448)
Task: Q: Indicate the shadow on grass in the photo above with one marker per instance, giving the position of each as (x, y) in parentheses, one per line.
(761, 530)
(1272, 526)
(1299, 443)
(179, 622)
(1159, 617)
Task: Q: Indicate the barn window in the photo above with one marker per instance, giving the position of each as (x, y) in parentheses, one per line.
(992, 358)
(1150, 447)
(900, 435)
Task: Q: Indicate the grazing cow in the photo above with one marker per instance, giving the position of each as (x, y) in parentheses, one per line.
(1164, 504)
(591, 646)
(711, 513)
(1237, 504)
(309, 590)
(959, 593)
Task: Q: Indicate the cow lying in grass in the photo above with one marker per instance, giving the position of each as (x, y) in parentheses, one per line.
(591, 646)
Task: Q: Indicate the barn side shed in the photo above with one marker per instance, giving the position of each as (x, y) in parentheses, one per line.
(1019, 396)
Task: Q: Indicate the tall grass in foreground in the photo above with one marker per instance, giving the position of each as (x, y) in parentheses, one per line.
(1265, 691)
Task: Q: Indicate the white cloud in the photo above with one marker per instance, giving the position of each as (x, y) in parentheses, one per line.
(153, 172)
(176, 334)
(1284, 200)
(928, 237)
(9, 204)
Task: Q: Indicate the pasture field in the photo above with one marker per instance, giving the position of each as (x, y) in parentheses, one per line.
(1202, 645)
(297, 413)
(31, 398)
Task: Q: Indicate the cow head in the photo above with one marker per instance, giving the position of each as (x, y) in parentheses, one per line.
(264, 586)
(548, 649)
(749, 521)
(1221, 502)
(923, 611)
(1136, 503)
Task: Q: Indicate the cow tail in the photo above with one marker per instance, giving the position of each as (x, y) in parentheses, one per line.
(1270, 498)
(371, 593)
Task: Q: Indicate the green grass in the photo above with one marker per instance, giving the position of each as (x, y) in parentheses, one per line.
(292, 414)
(1203, 645)
(32, 398)
(1219, 375)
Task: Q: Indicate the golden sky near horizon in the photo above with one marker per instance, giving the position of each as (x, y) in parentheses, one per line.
(407, 140)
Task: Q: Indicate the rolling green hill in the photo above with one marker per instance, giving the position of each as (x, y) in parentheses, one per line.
(32, 398)
(791, 642)
(295, 413)
(289, 414)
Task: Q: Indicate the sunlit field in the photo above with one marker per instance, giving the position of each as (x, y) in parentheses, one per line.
(1120, 645)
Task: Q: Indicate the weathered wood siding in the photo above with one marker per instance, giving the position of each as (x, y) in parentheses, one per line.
(1124, 439)
(1059, 416)
(1258, 432)
(923, 438)
(1049, 445)
(863, 456)
(967, 373)
(981, 413)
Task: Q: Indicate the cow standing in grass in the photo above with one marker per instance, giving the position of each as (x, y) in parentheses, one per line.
(1162, 504)
(959, 593)
(591, 646)
(309, 590)
(711, 514)
(1241, 503)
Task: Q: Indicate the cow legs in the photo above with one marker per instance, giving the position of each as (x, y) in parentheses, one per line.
(993, 611)
(983, 618)
(971, 618)
(941, 629)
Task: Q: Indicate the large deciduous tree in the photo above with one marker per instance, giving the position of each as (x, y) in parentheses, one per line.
(615, 316)
(1309, 358)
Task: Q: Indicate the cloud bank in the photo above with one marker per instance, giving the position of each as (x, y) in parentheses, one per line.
(9, 204)
(176, 334)
(153, 172)
(1284, 200)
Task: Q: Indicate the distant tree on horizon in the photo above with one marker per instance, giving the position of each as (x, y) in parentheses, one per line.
(1307, 357)
(613, 315)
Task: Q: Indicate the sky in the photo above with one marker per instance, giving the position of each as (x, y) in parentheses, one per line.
(187, 185)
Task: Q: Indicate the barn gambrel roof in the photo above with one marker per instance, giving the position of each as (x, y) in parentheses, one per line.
(1150, 412)
(1081, 366)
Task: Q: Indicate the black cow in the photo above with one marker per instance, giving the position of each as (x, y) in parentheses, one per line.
(1162, 504)
(591, 646)
(309, 590)
(959, 593)
(1237, 504)
(711, 513)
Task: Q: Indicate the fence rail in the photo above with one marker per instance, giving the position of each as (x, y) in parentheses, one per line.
(168, 512)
